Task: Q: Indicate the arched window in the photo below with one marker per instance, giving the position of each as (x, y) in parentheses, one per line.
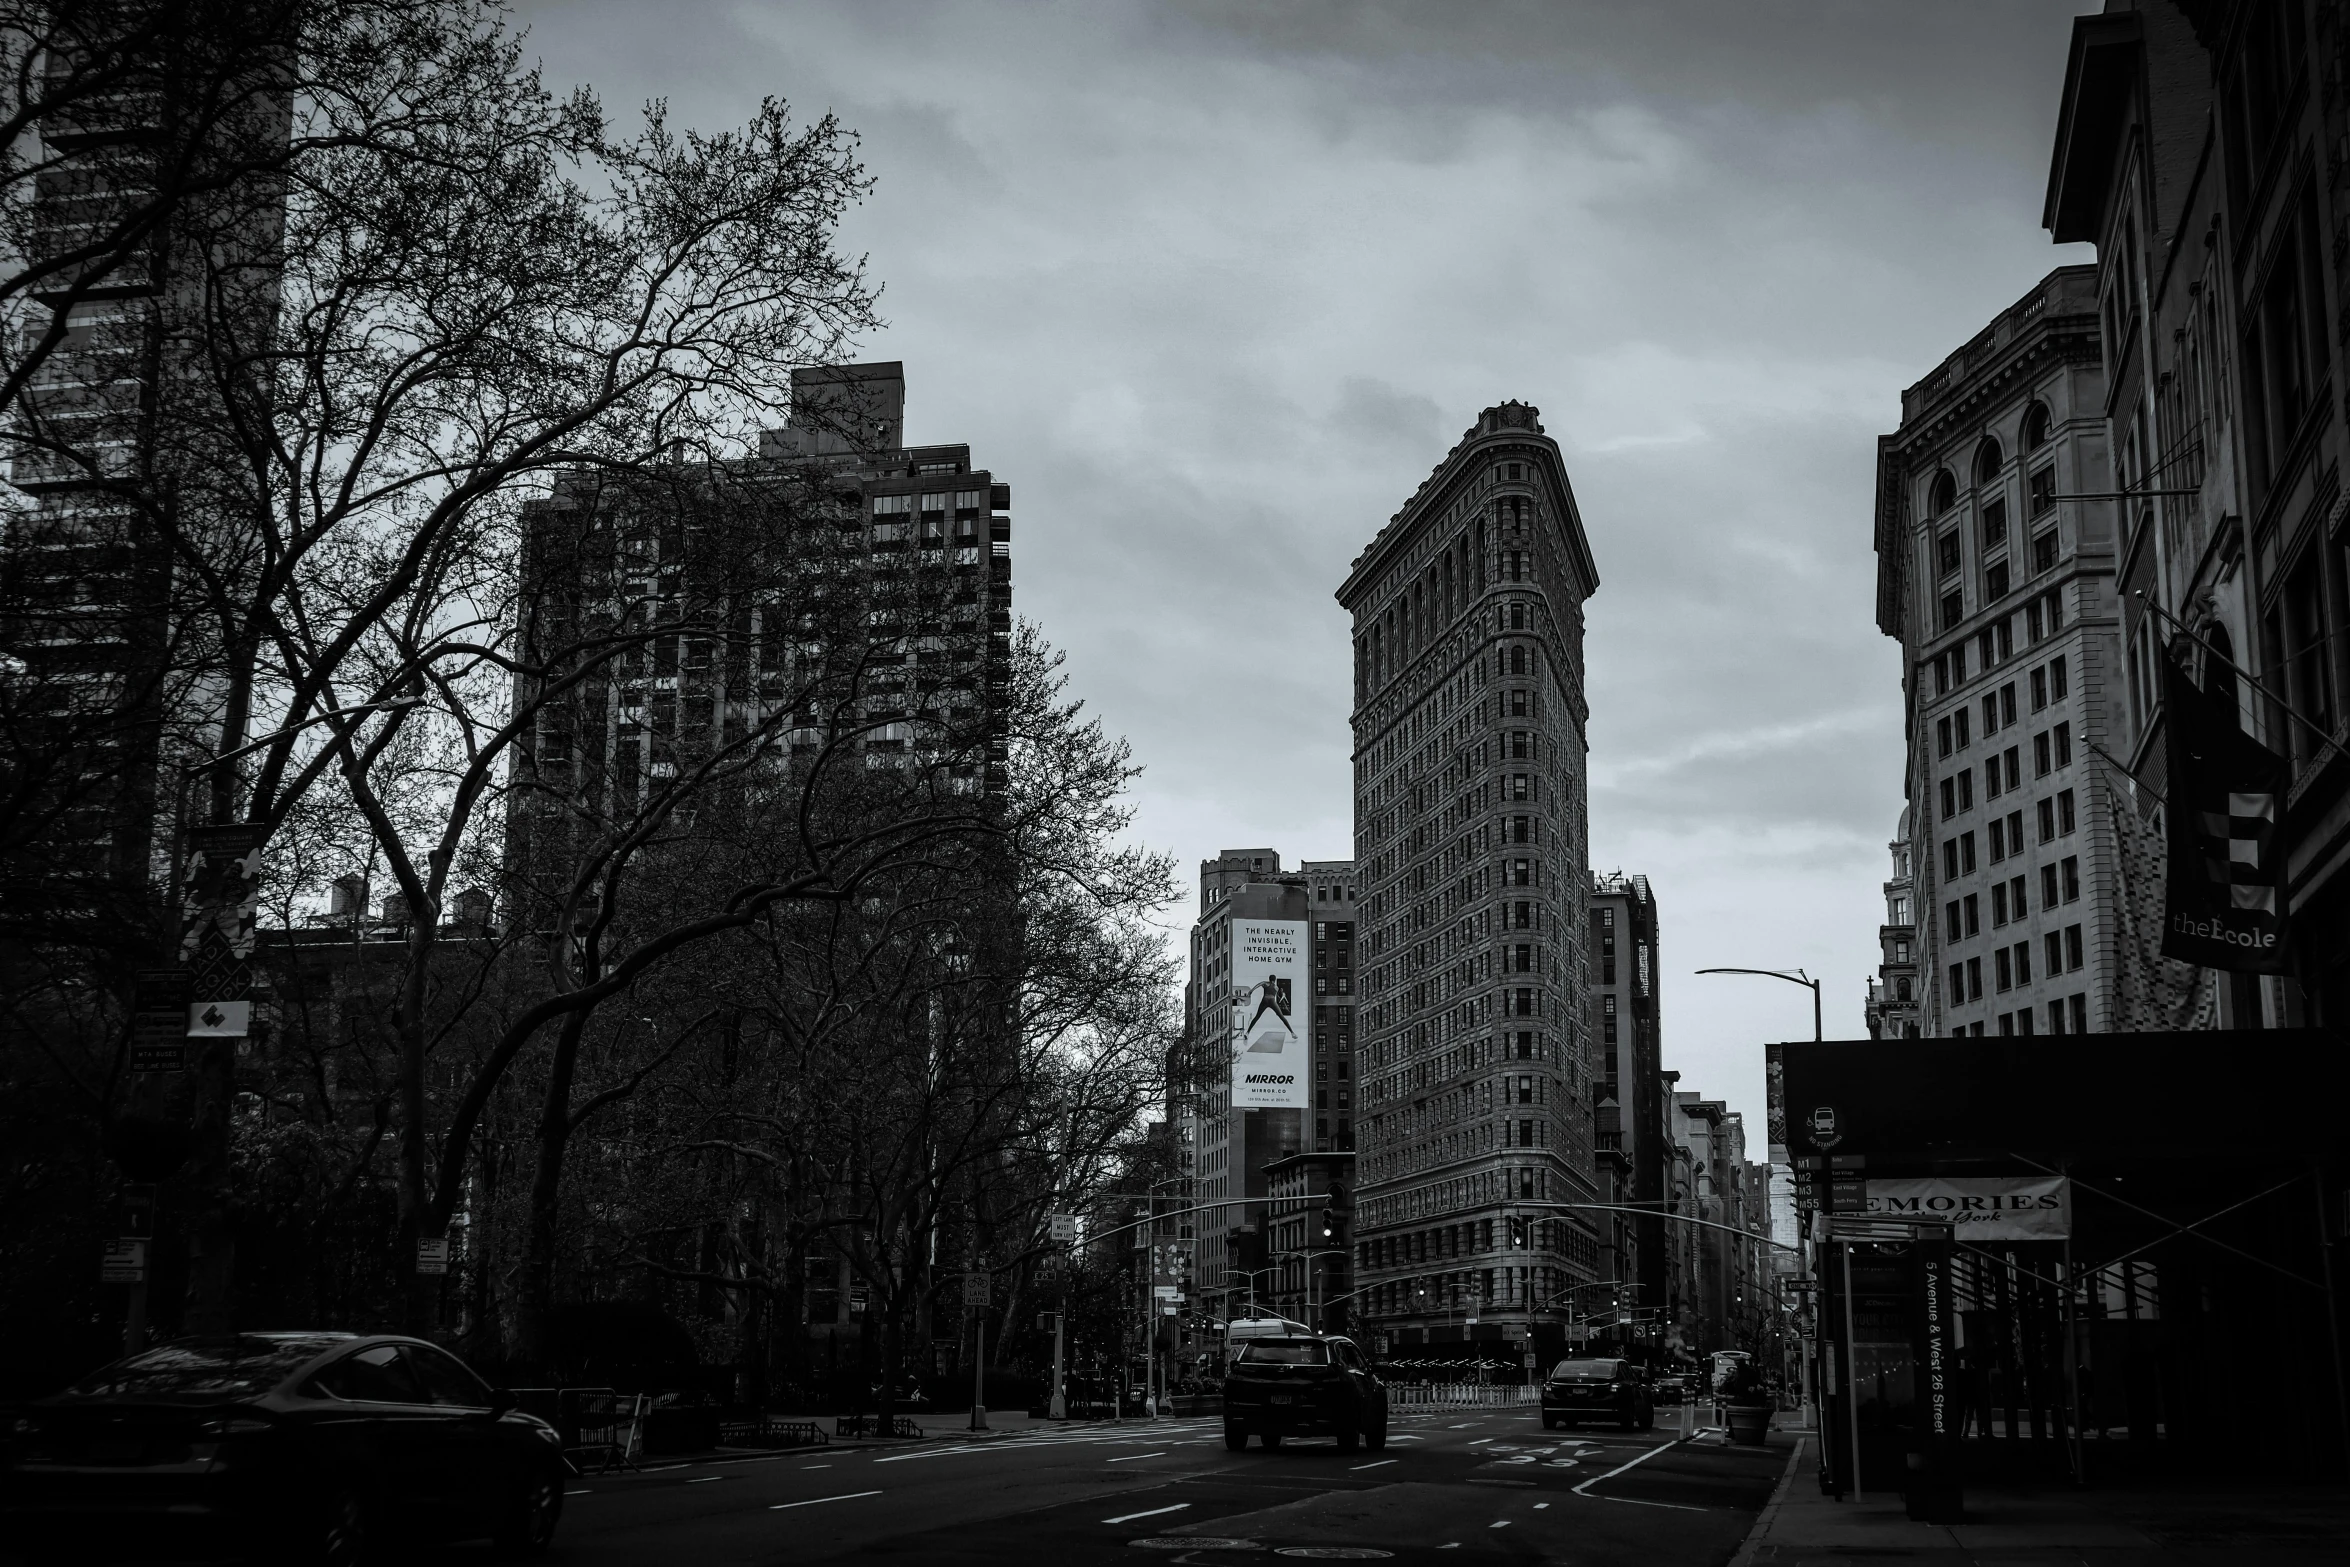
(1945, 493)
(1517, 661)
(2035, 427)
(1987, 460)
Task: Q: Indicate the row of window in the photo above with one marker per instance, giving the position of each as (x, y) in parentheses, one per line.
(2011, 967)
(2055, 819)
(1995, 643)
(2066, 1014)
(2052, 749)
(2059, 883)
(2049, 683)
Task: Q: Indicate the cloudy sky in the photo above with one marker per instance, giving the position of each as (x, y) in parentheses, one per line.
(1215, 285)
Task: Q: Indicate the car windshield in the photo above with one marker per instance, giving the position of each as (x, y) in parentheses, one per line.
(1585, 1370)
(1285, 1352)
(225, 1368)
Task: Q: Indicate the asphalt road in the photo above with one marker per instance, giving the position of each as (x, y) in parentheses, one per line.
(1486, 1481)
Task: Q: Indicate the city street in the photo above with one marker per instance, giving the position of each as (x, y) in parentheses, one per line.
(1490, 1481)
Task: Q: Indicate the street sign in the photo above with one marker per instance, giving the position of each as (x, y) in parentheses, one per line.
(165, 989)
(123, 1261)
(977, 1289)
(1064, 1228)
(432, 1256)
(219, 1019)
(159, 1042)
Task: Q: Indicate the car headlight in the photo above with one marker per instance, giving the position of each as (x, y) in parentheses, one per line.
(235, 1425)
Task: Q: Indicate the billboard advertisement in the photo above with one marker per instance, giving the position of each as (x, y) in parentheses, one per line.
(1271, 1068)
(1984, 1208)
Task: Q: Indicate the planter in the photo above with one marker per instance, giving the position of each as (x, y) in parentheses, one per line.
(1748, 1423)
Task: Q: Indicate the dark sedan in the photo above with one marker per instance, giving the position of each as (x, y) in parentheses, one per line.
(313, 1446)
(1580, 1390)
(1297, 1386)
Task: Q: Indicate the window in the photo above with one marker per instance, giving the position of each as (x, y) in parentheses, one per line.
(2064, 811)
(2043, 485)
(2055, 603)
(1990, 714)
(1994, 524)
(2015, 896)
(1951, 922)
(374, 1376)
(2047, 814)
(2023, 1020)
(2064, 745)
(2048, 886)
(1946, 551)
(1995, 580)
(1974, 921)
(1953, 609)
(2007, 703)
(1998, 902)
(2072, 879)
(2040, 755)
(2079, 1007)
(1949, 798)
(2023, 963)
(1957, 983)
(2044, 552)
(2003, 970)
(1966, 852)
(2035, 427)
(1974, 979)
(2053, 948)
(1942, 739)
(1966, 789)
(1950, 859)
(1958, 717)
(2056, 1017)
(1517, 704)
(2056, 680)
(1944, 493)
(1991, 779)
(2072, 946)
(1521, 745)
(1987, 460)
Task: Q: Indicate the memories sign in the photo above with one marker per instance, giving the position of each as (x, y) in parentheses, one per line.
(1271, 1063)
(1981, 1208)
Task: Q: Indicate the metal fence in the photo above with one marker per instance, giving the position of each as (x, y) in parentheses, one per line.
(1406, 1394)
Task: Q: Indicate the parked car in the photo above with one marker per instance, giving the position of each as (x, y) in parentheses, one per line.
(1306, 1384)
(1670, 1388)
(1580, 1390)
(313, 1446)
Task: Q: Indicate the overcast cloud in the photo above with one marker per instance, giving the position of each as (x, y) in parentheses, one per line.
(1214, 286)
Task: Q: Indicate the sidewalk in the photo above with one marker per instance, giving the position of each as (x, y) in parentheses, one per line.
(2191, 1523)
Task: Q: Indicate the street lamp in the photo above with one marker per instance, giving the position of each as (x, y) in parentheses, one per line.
(1792, 977)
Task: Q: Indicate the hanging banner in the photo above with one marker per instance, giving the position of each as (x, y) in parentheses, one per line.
(2225, 885)
(1981, 1208)
(1271, 1066)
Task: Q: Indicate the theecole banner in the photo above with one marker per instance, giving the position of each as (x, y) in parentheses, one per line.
(1981, 1208)
(2225, 891)
(1270, 1051)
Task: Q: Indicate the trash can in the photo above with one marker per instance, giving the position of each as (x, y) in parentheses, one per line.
(1748, 1423)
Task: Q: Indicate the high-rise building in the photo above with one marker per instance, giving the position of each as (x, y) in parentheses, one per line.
(1227, 1150)
(1630, 1118)
(1995, 572)
(1893, 994)
(903, 550)
(1477, 1085)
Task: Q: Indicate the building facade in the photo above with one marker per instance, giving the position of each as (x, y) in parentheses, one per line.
(2199, 149)
(1995, 572)
(1225, 1154)
(1631, 1117)
(1893, 995)
(1477, 1080)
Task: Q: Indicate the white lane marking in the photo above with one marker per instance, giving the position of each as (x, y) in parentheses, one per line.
(1153, 1513)
(936, 1452)
(704, 1479)
(804, 1468)
(1538, 1506)
(1450, 1545)
(1131, 1457)
(589, 1492)
(845, 1496)
(1481, 1441)
(1499, 1524)
(1585, 1488)
(1373, 1464)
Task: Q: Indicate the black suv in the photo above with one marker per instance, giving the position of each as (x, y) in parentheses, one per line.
(314, 1446)
(1597, 1389)
(1303, 1386)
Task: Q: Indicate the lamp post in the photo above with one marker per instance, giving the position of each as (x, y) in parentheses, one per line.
(1792, 977)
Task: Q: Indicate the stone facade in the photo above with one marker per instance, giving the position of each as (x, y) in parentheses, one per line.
(1477, 1076)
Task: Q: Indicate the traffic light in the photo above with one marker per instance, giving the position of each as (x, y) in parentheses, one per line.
(1517, 1230)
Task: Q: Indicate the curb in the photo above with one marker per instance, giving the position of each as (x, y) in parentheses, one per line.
(1770, 1513)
